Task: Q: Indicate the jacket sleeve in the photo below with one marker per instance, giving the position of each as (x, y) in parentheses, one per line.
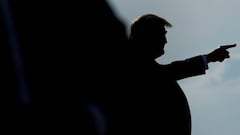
(186, 68)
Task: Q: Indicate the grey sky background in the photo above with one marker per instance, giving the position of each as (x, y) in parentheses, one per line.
(200, 26)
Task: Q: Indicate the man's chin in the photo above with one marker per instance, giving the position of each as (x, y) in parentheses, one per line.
(159, 54)
(162, 52)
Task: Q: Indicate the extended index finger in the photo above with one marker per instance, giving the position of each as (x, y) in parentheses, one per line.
(228, 46)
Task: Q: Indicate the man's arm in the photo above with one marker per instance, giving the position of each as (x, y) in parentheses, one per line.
(196, 65)
(185, 68)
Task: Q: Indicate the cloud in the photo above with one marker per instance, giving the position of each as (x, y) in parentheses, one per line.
(213, 101)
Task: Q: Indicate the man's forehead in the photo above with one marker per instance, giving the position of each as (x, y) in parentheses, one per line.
(160, 28)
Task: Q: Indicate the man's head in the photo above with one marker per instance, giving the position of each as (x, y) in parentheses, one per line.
(149, 31)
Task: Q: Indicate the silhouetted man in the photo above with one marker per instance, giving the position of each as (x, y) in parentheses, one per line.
(160, 106)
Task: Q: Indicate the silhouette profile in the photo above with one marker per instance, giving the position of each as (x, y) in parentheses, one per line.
(162, 107)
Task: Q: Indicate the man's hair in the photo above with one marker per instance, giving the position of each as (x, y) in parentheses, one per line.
(147, 23)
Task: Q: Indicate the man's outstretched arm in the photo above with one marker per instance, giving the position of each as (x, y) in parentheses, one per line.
(196, 65)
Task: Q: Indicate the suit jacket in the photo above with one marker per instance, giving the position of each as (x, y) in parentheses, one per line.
(156, 103)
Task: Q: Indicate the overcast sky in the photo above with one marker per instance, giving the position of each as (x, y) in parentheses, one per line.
(200, 26)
